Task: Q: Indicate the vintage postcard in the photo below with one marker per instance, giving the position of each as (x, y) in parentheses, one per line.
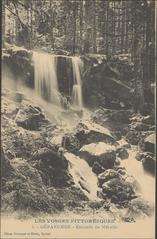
(78, 119)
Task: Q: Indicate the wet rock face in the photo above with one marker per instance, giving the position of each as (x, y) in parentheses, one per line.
(53, 167)
(30, 117)
(100, 152)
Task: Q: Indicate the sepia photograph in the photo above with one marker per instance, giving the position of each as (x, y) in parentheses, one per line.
(78, 92)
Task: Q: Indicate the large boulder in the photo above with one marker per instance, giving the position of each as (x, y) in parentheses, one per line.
(148, 162)
(107, 73)
(48, 156)
(53, 167)
(100, 152)
(89, 132)
(30, 117)
(62, 179)
(149, 143)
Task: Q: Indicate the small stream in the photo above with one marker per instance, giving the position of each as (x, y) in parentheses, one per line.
(87, 180)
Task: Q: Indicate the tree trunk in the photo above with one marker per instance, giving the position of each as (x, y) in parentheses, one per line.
(94, 27)
(74, 29)
(51, 24)
(3, 23)
(81, 25)
(107, 28)
(147, 82)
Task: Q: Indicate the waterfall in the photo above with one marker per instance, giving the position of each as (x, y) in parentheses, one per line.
(83, 176)
(146, 181)
(77, 101)
(45, 75)
(46, 80)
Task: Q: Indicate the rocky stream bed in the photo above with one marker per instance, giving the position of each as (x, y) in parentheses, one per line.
(54, 165)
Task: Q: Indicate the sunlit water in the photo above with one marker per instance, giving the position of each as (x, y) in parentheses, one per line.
(77, 101)
(45, 76)
(83, 175)
(145, 180)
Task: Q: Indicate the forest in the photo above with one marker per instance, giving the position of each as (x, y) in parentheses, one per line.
(82, 27)
(78, 108)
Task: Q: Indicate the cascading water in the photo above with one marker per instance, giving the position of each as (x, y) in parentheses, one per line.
(83, 176)
(45, 72)
(146, 181)
(77, 101)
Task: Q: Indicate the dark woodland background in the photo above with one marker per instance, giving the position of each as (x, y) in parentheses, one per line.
(87, 26)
